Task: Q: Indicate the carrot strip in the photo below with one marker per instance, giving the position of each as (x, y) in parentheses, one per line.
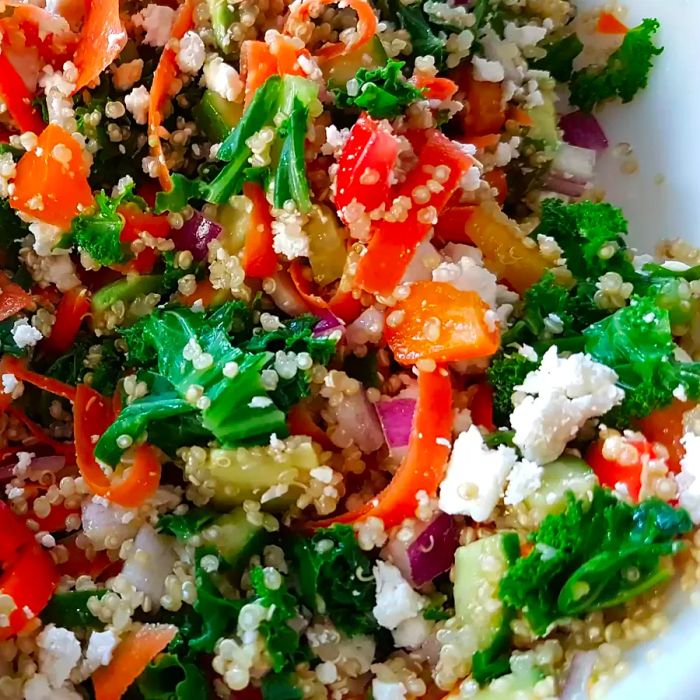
(259, 258)
(520, 116)
(130, 659)
(163, 78)
(13, 365)
(102, 39)
(18, 98)
(366, 26)
(12, 297)
(257, 65)
(608, 23)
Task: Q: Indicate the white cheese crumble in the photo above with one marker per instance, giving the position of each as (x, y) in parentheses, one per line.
(137, 103)
(524, 479)
(557, 399)
(59, 652)
(396, 599)
(157, 21)
(383, 690)
(222, 78)
(689, 477)
(191, 54)
(469, 275)
(527, 35)
(25, 335)
(9, 383)
(487, 71)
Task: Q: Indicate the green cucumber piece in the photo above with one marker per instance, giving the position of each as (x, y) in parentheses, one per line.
(127, 291)
(216, 116)
(235, 538)
(337, 71)
(545, 123)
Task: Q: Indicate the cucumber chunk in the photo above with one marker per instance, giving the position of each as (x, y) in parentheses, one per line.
(216, 116)
(337, 71)
(126, 291)
(235, 537)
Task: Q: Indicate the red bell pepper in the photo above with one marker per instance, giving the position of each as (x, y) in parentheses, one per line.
(259, 258)
(18, 99)
(136, 221)
(73, 307)
(394, 243)
(666, 427)
(12, 297)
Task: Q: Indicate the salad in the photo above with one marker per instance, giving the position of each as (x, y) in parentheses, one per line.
(327, 370)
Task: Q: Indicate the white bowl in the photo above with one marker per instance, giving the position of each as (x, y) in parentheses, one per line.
(661, 200)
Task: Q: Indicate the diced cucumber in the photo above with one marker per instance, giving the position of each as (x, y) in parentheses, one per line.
(223, 14)
(234, 217)
(216, 116)
(520, 686)
(327, 251)
(479, 568)
(126, 291)
(235, 537)
(294, 88)
(241, 474)
(337, 71)
(545, 123)
(559, 477)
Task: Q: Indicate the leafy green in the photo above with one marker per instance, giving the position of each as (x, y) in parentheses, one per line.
(280, 686)
(12, 231)
(71, 367)
(625, 73)
(424, 40)
(438, 608)
(332, 555)
(291, 183)
(383, 92)
(281, 640)
(8, 346)
(505, 373)
(593, 556)
(559, 60)
(70, 610)
(170, 678)
(188, 524)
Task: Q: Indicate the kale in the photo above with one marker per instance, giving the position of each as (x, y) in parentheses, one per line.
(8, 346)
(438, 608)
(280, 686)
(169, 677)
(424, 40)
(625, 73)
(332, 555)
(560, 57)
(383, 92)
(594, 555)
(12, 231)
(71, 367)
(505, 373)
(71, 610)
(188, 524)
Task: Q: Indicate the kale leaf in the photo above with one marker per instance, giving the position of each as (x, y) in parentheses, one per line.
(560, 57)
(188, 524)
(505, 373)
(71, 610)
(169, 677)
(625, 73)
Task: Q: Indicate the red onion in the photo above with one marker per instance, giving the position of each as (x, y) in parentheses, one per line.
(433, 551)
(195, 235)
(579, 676)
(358, 420)
(366, 328)
(584, 130)
(328, 323)
(52, 464)
(396, 418)
(559, 184)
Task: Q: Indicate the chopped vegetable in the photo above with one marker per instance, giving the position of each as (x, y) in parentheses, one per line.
(17, 98)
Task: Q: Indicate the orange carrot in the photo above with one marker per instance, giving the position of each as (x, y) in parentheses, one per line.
(72, 309)
(665, 425)
(436, 88)
(498, 180)
(51, 182)
(12, 297)
(287, 55)
(130, 658)
(163, 78)
(520, 116)
(204, 292)
(366, 26)
(301, 422)
(608, 23)
(484, 111)
(257, 65)
(259, 258)
(441, 323)
(485, 141)
(102, 39)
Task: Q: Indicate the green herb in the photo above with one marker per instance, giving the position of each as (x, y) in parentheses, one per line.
(438, 609)
(280, 686)
(505, 373)
(291, 183)
(594, 555)
(625, 73)
(188, 524)
(71, 610)
(383, 92)
(170, 678)
(332, 555)
(560, 57)
(424, 40)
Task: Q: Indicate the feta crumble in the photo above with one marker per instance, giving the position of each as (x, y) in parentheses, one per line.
(137, 103)
(486, 71)
(396, 599)
(157, 21)
(689, 477)
(524, 479)
(222, 79)
(59, 652)
(556, 400)
(191, 54)
(25, 335)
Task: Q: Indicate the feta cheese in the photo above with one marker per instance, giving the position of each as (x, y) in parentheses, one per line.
(469, 275)
(524, 479)
(46, 236)
(396, 599)
(222, 79)
(25, 335)
(157, 21)
(557, 399)
(191, 54)
(476, 476)
(383, 690)
(137, 103)
(411, 633)
(689, 477)
(126, 74)
(99, 650)
(59, 652)
(9, 383)
(289, 240)
(487, 71)
(38, 688)
(527, 35)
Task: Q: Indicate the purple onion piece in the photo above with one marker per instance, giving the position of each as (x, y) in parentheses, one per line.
(396, 418)
(432, 553)
(53, 464)
(327, 324)
(562, 185)
(195, 235)
(583, 130)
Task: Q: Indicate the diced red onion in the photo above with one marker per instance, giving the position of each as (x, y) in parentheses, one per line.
(433, 551)
(561, 185)
(574, 163)
(358, 420)
(366, 328)
(52, 464)
(286, 296)
(579, 676)
(148, 573)
(101, 520)
(328, 323)
(195, 235)
(396, 418)
(584, 130)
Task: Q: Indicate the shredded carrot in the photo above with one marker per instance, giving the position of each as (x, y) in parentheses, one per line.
(257, 65)
(130, 659)
(484, 142)
(608, 23)
(259, 258)
(366, 26)
(102, 39)
(436, 88)
(163, 78)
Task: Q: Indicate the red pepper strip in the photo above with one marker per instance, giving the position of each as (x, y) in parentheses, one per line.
(423, 467)
(610, 472)
(481, 407)
(12, 297)
(13, 365)
(62, 448)
(665, 426)
(393, 244)
(102, 39)
(82, 563)
(55, 520)
(301, 422)
(18, 98)
(136, 222)
(72, 309)
(609, 24)
(259, 258)
(29, 574)
(451, 226)
(163, 79)
(371, 147)
(92, 416)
